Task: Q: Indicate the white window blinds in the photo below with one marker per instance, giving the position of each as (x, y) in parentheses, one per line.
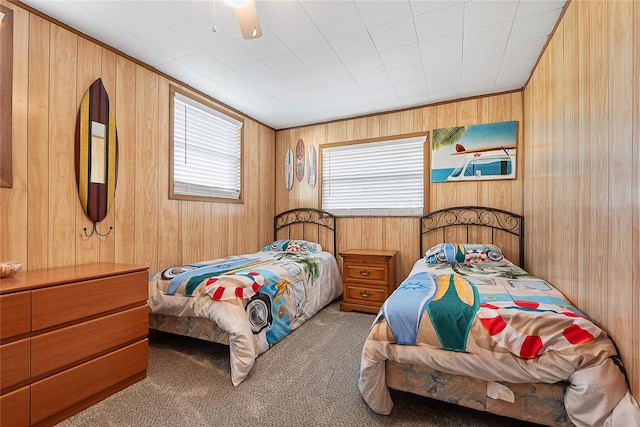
(376, 178)
(206, 151)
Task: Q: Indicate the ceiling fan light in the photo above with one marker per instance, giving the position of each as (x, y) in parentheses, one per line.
(237, 3)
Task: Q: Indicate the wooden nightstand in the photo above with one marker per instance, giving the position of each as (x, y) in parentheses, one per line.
(369, 277)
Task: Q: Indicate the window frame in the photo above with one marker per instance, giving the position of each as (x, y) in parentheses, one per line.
(425, 176)
(207, 103)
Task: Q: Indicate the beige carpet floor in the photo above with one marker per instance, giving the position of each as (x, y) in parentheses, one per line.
(307, 379)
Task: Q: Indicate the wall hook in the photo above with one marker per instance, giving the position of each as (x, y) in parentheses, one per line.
(95, 231)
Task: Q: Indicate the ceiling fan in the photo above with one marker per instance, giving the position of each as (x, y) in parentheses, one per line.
(247, 18)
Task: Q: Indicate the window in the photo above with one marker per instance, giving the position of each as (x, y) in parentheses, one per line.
(374, 178)
(206, 156)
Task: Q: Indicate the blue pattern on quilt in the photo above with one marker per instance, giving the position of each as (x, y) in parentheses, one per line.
(208, 270)
(281, 325)
(449, 250)
(403, 310)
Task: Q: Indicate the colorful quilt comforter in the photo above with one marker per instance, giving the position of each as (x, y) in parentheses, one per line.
(257, 299)
(495, 322)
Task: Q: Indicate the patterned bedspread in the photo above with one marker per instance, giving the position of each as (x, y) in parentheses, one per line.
(257, 299)
(495, 322)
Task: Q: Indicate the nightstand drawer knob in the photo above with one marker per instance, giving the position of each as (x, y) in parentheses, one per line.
(365, 294)
(365, 272)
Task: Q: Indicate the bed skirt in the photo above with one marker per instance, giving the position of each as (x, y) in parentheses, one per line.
(534, 402)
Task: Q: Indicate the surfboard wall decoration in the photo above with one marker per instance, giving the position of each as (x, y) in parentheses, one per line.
(288, 169)
(313, 167)
(300, 160)
(96, 153)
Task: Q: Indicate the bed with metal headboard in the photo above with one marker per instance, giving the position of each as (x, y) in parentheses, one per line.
(251, 301)
(470, 327)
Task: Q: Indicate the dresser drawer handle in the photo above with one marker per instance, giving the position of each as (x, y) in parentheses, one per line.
(365, 272)
(365, 294)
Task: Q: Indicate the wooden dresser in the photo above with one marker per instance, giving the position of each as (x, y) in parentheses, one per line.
(369, 277)
(70, 337)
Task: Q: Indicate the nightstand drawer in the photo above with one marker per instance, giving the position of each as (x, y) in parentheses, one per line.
(370, 273)
(366, 295)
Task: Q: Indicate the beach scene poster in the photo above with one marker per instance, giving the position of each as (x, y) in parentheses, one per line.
(473, 153)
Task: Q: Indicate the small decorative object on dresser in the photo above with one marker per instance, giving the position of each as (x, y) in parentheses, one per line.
(369, 277)
(9, 269)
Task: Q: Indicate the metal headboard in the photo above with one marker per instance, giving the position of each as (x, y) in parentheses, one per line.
(316, 217)
(497, 220)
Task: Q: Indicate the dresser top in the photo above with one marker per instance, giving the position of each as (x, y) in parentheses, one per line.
(367, 252)
(34, 279)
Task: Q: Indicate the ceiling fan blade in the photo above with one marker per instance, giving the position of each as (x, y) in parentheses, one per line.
(248, 20)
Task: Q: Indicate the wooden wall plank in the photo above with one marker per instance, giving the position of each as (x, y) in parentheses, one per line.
(599, 118)
(517, 114)
(38, 137)
(619, 192)
(124, 200)
(146, 170)
(634, 360)
(252, 165)
(554, 160)
(584, 135)
(62, 196)
(169, 218)
(571, 144)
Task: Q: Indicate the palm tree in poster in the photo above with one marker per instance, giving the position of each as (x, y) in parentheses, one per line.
(447, 136)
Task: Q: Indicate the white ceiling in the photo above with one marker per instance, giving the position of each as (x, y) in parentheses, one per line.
(324, 60)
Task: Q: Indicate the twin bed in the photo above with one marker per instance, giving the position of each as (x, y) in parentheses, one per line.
(252, 301)
(466, 326)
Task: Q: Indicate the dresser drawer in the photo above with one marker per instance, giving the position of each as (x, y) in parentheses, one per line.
(89, 298)
(81, 383)
(66, 346)
(15, 314)
(14, 408)
(14, 363)
(365, 295)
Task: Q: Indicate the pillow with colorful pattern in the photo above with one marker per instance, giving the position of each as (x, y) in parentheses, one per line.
(470, 253)
(292, 245)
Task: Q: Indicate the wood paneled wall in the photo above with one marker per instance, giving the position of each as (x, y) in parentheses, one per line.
(41, 221)
(401, 233)
(582, 168)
